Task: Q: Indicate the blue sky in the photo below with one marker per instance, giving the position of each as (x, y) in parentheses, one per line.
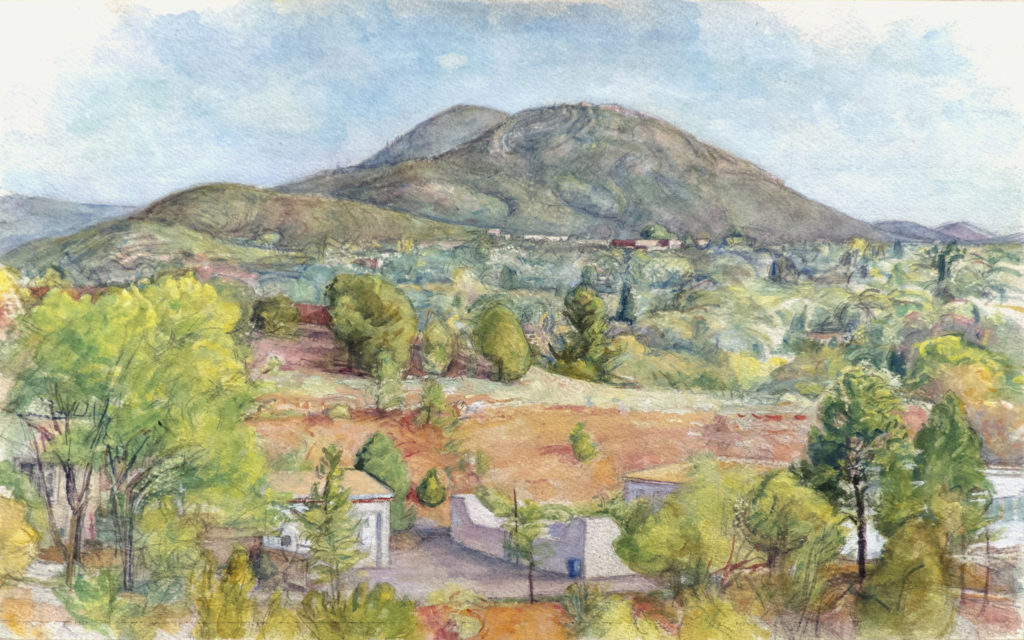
(880, 110)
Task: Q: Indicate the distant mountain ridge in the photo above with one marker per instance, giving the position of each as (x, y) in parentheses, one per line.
(590, 171)
(27, 218)
(962, 232)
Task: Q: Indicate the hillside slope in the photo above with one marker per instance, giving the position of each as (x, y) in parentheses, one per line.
(591, 171)
(229, 223)
(245, 214)
(27, 218)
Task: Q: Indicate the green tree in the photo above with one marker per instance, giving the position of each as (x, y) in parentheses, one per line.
(370, 316)
(380, 458)
(695, 541)
(656, 232)
(974, 373)
(147, 386)
(387, 383)
(588, 276)
(275, 316)
(627, 305)
(583, 448)
(908, 594)
(499, 337)
(524, 527)
(329, 524)
(586, 353)
(950, 474)
(437, 346)
(861, 439)
(799, 536)
(509, 278)
(430, 491)
(434, 409)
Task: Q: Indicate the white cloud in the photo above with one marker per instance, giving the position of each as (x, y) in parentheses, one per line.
(452, 61)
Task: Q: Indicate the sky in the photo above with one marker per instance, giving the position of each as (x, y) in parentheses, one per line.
(883, 110)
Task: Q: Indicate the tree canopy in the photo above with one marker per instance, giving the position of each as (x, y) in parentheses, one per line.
(370, 316)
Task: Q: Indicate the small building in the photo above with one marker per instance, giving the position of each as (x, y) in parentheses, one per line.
(579, 548)
(654, 484)
(371, 503)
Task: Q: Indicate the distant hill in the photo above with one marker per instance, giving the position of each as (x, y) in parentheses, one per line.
(907, 231)
(240, 213)
(228, 223)
(589, 171)
(966, 231)
(436, 135)
(27, 218)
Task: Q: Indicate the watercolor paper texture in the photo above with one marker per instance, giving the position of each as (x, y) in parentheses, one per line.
(511, 319)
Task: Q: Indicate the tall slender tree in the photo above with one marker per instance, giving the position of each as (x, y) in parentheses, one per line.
(861, 439)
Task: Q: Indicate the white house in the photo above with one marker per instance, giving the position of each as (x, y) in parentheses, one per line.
(371, 503)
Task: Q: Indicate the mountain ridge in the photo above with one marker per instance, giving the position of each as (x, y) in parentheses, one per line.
(598, 171)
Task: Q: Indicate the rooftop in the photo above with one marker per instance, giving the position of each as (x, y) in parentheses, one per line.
(677, 473)
(361, 485)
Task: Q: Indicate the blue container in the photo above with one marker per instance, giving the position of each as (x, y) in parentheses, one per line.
(575, 567)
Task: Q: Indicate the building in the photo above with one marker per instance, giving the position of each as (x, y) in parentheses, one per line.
(371, 503)
(579, 548)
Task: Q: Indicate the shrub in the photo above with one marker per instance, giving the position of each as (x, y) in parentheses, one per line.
(367, 614)
(275, 316)
(430, 491)
(583, 447)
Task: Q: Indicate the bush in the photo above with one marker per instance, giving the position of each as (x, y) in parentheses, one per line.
(437, 346)
(499, 337)
(380, 458)
(96, 603)
(275, 316)
(430, 491)
(367, 614)
(583, 447)
(370, 316)
(586, 605)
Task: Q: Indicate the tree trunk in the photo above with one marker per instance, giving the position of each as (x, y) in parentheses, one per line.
(529, 574)
(128, 554)
(73, 552)
(862, 533)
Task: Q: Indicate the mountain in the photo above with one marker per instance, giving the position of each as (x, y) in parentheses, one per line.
(966, 232)
(907, 231)
(591, 171)
(27, 218)
(436, 135)
(229, 223)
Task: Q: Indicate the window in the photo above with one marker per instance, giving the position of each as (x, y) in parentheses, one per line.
(286, 541)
